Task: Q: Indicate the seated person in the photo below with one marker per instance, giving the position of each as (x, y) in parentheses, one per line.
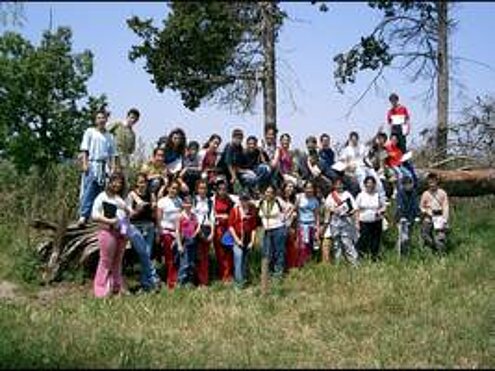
(394, 159)
(326, 157)
(232, 159)
(209, 158)
(253, 172)
(155, 171)
(284, 163)
(311, 150)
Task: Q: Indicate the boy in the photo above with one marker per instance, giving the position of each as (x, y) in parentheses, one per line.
(434, 206)
(326, 157)
(98, 160)
(191, 172)
(254, 172)
(406, 212)
(399, 120)
(125, 138)
(232, 159)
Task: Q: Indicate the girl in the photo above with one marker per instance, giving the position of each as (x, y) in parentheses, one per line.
(209, 158)
(284, 160)
(340, 212)
(370, 209)
(107, 209)
(175, 150)
(222, 205)
(289, 197)
(242, 226)
(168, 211)
(353, 157)
(307, 206)
(142, 231)
(272, 211)
(203, 209)
(187, 229)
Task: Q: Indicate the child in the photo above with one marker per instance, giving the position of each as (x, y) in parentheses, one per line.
(242, 226)
(155, 171)
(406, 212)
(108, 209)
(307, 206)
(203, 209)
(340, 216)
(273, 214)
(168, 211)
(187, 229)
(434, 206)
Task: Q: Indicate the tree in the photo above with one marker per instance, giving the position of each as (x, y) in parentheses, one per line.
(415, 34)
(221, 51)
(43, 110)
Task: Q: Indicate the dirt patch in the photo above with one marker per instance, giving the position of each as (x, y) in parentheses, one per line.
(8, 290)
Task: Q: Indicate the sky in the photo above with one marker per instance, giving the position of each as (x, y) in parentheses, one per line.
(308, 102)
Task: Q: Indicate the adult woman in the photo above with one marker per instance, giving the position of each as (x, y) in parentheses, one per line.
(222, 205)
(289, 197)
(107, 209)
(353, 157)
(203, 209)
(175, 149)
(283, 160)
(273, 213)
(370, 209)
(167, 214)
(209, 157)
(307, 206)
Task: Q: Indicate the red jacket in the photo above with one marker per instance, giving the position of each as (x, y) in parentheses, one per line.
(394, 155)
(243, 227)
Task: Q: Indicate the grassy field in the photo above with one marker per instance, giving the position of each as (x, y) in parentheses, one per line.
(424, 312)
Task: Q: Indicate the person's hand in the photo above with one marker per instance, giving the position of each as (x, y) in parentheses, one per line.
(181, 249)
(233, 180)
(84, 167)
(250, 245)
(210, 237)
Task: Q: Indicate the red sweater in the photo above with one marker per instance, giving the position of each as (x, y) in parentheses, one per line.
(394, 155)
(243, 227)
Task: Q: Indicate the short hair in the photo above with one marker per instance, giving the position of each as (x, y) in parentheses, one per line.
(155, 151)
(237, 133)
(193, 144)
(354, 134)
(323, 136)
(134, 111)
(393, 96)
(368, 178)
(432, 176)
(311, 139)
(102, 111)
(382, 135)
(252, 137)
(271, 127)
(286, 135)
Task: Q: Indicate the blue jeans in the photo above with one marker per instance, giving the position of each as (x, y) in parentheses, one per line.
(91, 189)
(260, 175)
(274, 249)
(143, 246)
(240, 264)
(187, 261)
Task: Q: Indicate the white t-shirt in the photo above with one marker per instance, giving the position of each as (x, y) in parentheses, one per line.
(116, 200)
(343, 209)
(354, 155)
(368, 205)
(100, 147)
(274, 217)
(171, 210)
(202, 210)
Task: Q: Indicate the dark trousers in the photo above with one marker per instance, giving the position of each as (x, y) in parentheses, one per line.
(370, 235)
(397, 129)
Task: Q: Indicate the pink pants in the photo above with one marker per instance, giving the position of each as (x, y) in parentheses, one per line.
(108, 278)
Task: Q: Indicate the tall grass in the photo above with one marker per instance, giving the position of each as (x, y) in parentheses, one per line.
(427, 311)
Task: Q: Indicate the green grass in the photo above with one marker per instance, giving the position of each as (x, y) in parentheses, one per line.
(424, 312)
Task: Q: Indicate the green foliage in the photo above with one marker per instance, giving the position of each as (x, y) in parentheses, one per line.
(44, 103)
(180, 55)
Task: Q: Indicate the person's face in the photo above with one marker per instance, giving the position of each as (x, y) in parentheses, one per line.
(116, 185)
(432, 184)
(173, 190)
(380, 141)
(176, 139)
(310, 146)
(285, 141)
(187, 205)
(269, 193)
(270, 137)
(141, 184)
(222, 189)
(339, 186)
(325, 142)
(394, 102)
(132, 119)
(244, 204)
(101, 120)
(353, 140)
(289, 190)
(237, 140)
(393, 139)
(192, 151)
(370, 186)
(159, 156)
(202, 189)
(251, 145)
(309, 191)
(214, 144)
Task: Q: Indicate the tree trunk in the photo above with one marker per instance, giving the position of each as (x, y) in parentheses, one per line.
(269, 81)
(442, 80)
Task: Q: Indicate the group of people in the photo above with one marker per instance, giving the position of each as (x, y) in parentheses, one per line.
(188, 197)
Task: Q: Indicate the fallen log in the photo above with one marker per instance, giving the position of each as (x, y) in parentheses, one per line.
(71, 246)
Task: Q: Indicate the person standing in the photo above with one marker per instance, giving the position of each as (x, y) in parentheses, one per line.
(242, 226)
(291, 247)
(187, 230)
(98, 160)
(107, 210)
(168, 211)
(370, 210)
(399, 121)
(406, 213)
(203, 209)
(434, 206)
(125, 138)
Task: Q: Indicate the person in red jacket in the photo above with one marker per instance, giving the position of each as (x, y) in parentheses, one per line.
(399, 120)
(394, 160)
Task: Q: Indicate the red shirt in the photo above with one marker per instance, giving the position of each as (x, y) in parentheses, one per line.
(222, 206)
(188, 225)
(243, 227)
(397, 115)
(394, 155)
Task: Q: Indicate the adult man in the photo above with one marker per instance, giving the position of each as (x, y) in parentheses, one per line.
(125, 138)
(232, 159)
(98, 160)
(399, 120)
(254, 172)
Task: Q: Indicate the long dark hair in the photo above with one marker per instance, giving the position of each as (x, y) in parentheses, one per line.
(292, 197)
(211, 139)
(169, 146)
(113, 177)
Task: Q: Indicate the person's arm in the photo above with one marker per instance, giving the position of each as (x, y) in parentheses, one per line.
(276, 159)
(84, 161)
(84, 148)
(253, 239)
(232, 221)
(317, 219)
(158, 219)
(180, 245)
(423, 204)
(98, 216)
(445, 207)
(407, 122)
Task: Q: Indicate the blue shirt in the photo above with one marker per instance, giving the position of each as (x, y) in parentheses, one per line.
(306, 208)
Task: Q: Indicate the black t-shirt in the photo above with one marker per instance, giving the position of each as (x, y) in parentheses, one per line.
(232, 155)
(252, 158)
(146, 213)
